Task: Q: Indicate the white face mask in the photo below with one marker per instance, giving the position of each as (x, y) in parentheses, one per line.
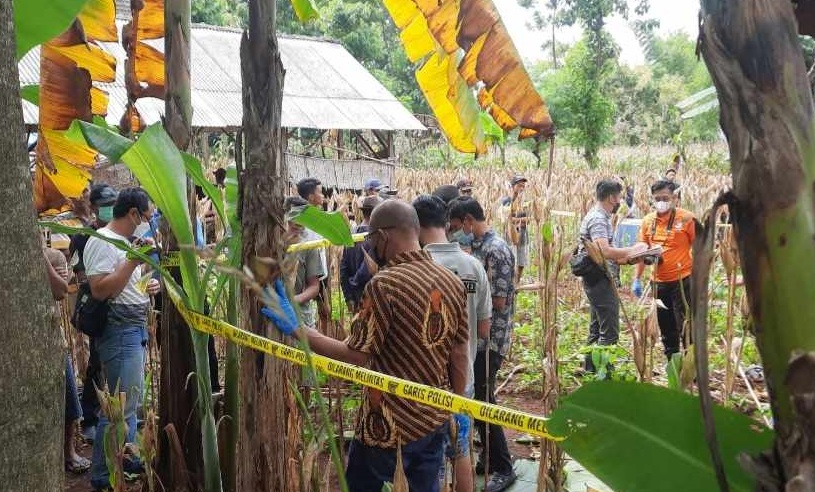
(141, 229)
(662, 207)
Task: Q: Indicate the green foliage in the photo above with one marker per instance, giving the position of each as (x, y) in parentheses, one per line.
(31, 93)
(637, 436)
(38, 21)
(231, 13)
(330, 225)
(580, 108)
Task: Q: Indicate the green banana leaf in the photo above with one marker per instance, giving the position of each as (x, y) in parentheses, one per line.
(100, 138)
(636, 436)
(330, 225)
(31, 93)
(305, 10)
(494, 133)
(232, 197)
(38, 21)
(158, 165)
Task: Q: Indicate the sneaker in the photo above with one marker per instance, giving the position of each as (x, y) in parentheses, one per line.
(500, 481)
(89, 434)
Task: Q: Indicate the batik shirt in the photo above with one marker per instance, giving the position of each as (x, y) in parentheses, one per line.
(499, 262)
(413, 312)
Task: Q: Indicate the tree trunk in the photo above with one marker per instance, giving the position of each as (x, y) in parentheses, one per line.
(264, 442)
(185, 404)
(32, 357)
(752, 52)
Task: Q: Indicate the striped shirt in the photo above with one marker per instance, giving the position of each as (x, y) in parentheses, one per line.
(413, 312)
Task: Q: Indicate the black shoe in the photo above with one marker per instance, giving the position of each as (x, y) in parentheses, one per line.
(479, 468)
(500, 481)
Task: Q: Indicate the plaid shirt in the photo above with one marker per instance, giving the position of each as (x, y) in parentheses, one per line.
(499, 262)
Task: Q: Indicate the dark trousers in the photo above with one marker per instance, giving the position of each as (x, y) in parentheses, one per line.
(89, 400)
(605, 312)
(499, 459)
(675, 296)
(370, 467)
(213, 365)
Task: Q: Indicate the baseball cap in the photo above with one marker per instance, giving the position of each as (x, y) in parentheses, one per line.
(373, 184)
(518, 178)
(464, 184)
(446, 192)
(102, 195)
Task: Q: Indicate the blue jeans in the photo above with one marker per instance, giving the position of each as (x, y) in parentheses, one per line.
(121, 352)
(73, 409)
(370, 467)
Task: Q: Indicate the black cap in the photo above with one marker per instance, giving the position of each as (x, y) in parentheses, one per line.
(102, 195)
(518, 178)
(446, 193)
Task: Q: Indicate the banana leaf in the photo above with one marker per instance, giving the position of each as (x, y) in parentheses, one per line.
(31, 93)
(38, 21)
(636, 436)
(330, 225)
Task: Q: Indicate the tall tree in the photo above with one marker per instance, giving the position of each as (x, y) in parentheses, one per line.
(265, 448)
(541, 21)
(600, 51)
(578, 100)
(32, 358)
(754, 57)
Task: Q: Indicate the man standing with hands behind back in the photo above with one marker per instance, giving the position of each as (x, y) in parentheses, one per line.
(674, 229)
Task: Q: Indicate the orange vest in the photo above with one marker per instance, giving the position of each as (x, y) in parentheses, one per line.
(675, 232)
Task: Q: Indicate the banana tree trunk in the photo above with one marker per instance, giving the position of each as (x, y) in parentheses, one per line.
(185, 406)
(264, 450)
(32, 360)
(752, 51)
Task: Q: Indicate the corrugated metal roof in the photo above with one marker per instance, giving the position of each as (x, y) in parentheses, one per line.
(325, 87)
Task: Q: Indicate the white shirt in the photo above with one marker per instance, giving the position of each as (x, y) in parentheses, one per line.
(103, 258)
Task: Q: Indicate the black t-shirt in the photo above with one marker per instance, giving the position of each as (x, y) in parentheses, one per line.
(77, 245)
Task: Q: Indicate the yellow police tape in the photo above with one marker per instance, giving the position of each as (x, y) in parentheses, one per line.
(173, 259)
(434, 397)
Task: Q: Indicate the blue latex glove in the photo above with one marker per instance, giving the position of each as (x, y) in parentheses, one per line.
(286, 321)
(463, 423)
(636, 287)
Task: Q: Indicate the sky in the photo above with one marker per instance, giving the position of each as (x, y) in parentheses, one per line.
(673, 15)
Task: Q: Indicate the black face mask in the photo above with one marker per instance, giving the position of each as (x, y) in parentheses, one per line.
(616, 207)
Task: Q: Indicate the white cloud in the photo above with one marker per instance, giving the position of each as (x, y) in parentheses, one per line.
(673, 16)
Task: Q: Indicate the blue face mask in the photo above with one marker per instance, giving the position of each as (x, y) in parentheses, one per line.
(105, 214)
(463, 238)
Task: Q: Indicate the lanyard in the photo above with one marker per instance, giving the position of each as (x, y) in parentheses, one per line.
(668, 229)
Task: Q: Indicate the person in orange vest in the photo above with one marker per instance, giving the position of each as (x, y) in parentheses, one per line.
(674, 229)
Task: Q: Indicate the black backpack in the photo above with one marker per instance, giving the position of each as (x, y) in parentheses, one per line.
(90, 314)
